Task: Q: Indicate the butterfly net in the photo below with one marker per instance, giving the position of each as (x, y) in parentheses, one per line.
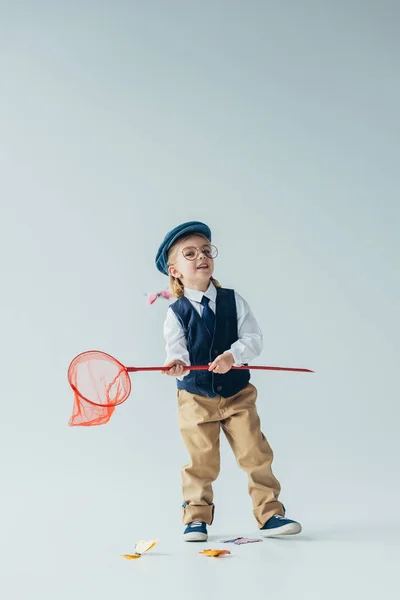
(99, 383)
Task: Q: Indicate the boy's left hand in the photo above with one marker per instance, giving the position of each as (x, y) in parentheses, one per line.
(222, 364)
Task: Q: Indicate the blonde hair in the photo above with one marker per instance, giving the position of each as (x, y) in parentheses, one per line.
(175, 284)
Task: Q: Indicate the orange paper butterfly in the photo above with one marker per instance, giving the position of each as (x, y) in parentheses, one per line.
(214, 553)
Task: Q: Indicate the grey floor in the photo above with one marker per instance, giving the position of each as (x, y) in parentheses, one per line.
(343, 563)
(56, 544)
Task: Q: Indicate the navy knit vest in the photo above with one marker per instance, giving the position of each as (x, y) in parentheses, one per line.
(203, 348)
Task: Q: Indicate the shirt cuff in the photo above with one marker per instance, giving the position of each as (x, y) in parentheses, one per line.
(236, 357)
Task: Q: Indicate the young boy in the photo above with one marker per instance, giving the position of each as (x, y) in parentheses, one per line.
(210, 325)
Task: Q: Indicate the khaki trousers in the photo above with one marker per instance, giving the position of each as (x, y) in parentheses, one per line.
(200, 421)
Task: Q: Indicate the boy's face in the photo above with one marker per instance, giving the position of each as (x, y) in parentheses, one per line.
(194, 274)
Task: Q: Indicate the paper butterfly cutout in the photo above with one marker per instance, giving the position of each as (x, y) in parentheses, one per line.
(214, 553)
(151, 298)
(142, 546)
(241, 540)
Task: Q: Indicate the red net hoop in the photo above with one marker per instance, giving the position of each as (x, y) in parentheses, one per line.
(100, 383)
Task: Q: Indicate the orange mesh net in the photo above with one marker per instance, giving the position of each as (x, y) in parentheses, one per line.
(100, 383)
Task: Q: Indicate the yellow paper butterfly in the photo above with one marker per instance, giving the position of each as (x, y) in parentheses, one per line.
(142, 546)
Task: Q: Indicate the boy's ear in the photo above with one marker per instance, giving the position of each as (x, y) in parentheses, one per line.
(174, 272)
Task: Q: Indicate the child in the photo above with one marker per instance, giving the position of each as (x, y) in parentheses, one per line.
(210, 325)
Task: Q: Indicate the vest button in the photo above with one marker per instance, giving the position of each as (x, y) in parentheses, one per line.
(216, 352)
(219, 388)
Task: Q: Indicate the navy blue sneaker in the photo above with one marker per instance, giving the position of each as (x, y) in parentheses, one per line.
(196, 532)
(278, 525)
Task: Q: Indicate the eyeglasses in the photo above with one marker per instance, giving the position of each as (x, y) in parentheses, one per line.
(192, 252)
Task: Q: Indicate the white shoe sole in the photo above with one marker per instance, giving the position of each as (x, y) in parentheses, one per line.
(289, 529)
(195, 536)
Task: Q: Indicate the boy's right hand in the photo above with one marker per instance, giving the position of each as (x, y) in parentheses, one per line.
(175, 368)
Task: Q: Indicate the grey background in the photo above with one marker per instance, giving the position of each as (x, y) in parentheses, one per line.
(277, 123)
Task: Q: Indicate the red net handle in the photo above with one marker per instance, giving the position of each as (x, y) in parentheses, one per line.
(205, 368)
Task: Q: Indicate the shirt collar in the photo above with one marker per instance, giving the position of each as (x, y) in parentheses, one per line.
(197, 295)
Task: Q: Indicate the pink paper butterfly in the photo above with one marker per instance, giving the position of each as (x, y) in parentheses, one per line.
(151, 298)
(242, 540)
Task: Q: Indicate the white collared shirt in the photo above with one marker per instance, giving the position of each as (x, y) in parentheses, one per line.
(250, 341)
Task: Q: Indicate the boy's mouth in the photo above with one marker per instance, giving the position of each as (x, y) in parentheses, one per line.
(203, 266)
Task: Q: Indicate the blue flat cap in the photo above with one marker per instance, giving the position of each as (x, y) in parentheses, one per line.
(192, 227)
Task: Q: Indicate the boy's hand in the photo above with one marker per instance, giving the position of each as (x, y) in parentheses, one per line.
(222, 364)
(175, 368)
